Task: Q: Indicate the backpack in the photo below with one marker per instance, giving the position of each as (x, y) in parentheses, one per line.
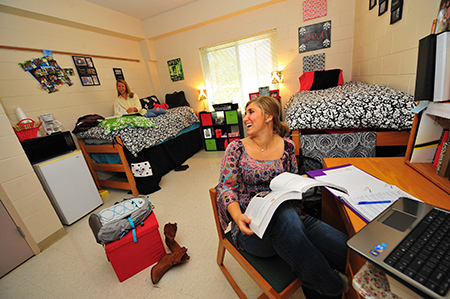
(113, 223)
(86, 122)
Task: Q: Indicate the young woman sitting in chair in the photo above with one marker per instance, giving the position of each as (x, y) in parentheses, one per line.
(315, 251)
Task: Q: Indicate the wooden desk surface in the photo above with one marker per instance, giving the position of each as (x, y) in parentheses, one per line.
(393, 171)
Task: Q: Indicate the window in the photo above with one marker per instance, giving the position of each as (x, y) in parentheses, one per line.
(236, 68)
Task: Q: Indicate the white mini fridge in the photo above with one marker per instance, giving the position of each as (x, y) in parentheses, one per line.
(69, 185)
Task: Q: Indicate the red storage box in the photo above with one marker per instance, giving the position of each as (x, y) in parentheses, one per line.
(206, 119)
(129, 258)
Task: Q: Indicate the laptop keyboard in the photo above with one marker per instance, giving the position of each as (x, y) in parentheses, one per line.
(424, 253)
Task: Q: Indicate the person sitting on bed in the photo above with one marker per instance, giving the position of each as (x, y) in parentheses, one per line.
(127, 102)
(315, 251)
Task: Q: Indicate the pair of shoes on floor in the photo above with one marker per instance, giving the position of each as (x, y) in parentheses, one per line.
(181, 167)
(177, 255)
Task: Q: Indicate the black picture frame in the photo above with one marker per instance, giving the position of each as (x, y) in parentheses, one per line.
(396, 11)
(383, 7)
(372, 4)
(86, 70)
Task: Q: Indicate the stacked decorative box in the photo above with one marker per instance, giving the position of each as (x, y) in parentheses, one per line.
(128, 257)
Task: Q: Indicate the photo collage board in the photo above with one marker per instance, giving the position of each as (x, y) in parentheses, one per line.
(86, 70)
(47, 72)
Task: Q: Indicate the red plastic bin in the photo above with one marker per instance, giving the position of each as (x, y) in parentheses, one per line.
(128, 258)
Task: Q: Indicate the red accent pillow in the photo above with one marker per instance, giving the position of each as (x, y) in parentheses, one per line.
(306, 80)
(341, 79)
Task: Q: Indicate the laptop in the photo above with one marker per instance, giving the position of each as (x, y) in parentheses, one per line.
(410, 241)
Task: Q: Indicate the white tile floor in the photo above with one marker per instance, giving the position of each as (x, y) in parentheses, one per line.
(77, 267)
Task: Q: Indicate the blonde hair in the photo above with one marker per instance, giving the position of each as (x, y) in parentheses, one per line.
(127, 88)
(271, 106)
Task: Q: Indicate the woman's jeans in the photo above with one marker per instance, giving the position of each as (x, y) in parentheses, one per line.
(311, 247)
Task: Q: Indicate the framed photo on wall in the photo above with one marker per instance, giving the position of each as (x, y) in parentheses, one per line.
(372, 4)
(396, 11)
(383, 7)
(86, 70)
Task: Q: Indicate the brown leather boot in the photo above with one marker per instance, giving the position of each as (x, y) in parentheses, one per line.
(165, 263)
(170, 230)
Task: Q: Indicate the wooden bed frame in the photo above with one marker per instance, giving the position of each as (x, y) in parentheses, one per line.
(117, 148)
(384, 138)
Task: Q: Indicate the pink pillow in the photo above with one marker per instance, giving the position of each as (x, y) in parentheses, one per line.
(306, 80)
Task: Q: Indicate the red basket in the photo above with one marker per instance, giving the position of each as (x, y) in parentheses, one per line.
(27, 130)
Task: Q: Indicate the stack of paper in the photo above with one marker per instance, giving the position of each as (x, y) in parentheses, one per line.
(367, 196)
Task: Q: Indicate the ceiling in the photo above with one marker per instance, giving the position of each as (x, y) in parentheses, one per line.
(141, 9)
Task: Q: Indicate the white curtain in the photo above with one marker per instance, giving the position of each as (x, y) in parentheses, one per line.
(236, 68)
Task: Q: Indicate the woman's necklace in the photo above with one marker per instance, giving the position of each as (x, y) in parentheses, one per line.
(268, 145)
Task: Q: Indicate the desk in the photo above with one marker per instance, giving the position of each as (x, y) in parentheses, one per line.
(391, 170)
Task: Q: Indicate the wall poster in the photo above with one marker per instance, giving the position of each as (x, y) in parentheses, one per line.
(175, 69)
(118, 74)
(314, 37)
(86, 70)
(47, 72)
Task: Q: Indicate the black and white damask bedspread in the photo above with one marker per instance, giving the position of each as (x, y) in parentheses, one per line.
(136, 139)
(353, 105)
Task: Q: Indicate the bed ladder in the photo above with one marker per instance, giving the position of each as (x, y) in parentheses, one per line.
(117, 147)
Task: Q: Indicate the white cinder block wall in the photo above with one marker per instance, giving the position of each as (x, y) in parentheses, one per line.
(387, 54)
(284, 16)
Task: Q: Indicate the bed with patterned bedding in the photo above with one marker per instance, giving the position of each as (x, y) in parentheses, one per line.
(351, 107)
(144, 154)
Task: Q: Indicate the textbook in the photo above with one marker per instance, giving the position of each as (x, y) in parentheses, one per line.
(285, 186)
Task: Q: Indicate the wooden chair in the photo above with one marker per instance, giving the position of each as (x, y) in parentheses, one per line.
(273, 275)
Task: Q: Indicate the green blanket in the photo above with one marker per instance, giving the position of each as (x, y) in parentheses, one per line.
(122, 122)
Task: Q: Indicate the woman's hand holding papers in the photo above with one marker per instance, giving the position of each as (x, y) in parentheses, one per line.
(241, 220)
